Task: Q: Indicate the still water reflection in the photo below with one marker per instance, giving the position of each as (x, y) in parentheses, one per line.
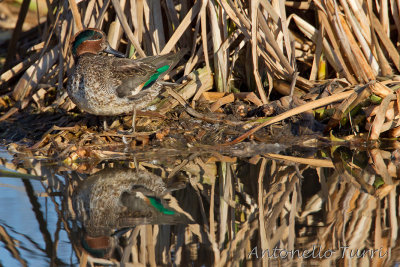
(335, 206)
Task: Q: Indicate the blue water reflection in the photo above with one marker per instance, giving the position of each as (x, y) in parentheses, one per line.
(18, 221)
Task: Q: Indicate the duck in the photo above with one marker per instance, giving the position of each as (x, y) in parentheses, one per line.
(118, 198)
(114, 85)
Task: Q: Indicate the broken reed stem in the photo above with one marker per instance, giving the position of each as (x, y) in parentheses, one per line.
(306, 107)
(76, 15)
(6, 76)
(254, 29)
(182, 27)
(127, 29)
(12, 46)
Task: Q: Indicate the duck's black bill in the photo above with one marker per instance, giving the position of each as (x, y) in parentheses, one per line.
(114, 52)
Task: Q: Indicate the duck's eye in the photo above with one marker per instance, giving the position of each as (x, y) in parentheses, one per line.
(97, 36)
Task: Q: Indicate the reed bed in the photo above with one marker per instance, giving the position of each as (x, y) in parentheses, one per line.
(340, 58)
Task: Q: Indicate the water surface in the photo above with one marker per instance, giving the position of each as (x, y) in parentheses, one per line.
(330, 206)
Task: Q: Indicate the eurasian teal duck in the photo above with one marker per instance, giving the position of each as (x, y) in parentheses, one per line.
(118, 198)
(113, 85)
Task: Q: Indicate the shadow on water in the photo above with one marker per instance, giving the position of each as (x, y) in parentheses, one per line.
(316, 207)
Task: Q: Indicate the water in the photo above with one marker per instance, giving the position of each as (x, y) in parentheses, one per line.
(330, 206)
(21, 224)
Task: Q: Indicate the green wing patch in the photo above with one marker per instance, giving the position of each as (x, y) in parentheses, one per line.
(155, 76)
(157, 204)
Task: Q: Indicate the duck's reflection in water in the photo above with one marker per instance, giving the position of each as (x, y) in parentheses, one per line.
(114, 200)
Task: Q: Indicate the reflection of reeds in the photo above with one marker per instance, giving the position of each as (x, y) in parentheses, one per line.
(11, 246)
(270, 204)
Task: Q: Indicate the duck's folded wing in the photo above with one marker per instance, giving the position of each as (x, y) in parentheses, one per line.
(160, 61)
(133, 76)
(143, 73)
